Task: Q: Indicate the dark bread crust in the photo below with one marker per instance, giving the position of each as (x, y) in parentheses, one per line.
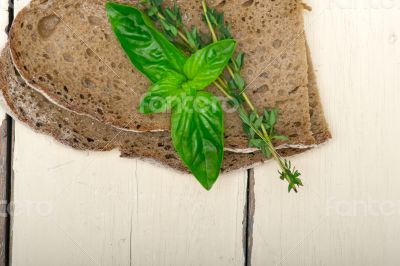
(319, 125)
(275, 36)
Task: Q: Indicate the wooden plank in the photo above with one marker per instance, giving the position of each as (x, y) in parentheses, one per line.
(97, 209)
(348, 211)
(81, 216)
(5, 132)
(83, 208)
(186, 224)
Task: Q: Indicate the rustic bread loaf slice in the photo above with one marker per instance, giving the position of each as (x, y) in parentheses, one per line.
(83, 133)
(66, 50)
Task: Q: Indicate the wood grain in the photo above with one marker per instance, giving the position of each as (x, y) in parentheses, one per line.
(97, 209)
(348, 211)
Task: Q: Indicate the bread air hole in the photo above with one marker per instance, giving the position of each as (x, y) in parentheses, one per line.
(87, 83)
(221, 4)
(247, 3)
(277, 44)
(68, 57)
(94, 20)
(47, 25)
(262, 89)
(170, 156)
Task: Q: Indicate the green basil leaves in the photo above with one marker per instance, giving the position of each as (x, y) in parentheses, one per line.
(149, 51)
(207, 64)
(161, 95)
(197, 126)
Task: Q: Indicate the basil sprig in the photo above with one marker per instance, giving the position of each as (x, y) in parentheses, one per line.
(197, 126)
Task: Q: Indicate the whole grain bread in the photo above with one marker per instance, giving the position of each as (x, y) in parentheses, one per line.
(84, 133)
(66, 50)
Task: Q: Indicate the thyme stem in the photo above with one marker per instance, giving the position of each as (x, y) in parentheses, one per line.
(222, 88)
(205, 10)
(180, 33)
(286, 171)
(245, 97)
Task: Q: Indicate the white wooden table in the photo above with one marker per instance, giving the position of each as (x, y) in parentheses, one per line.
(83, 208)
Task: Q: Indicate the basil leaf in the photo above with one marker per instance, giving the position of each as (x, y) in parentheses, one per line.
(149, 51)
(207, 64)
(162, 95)
(197, 129)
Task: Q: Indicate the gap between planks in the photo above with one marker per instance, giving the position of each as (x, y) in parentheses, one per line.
(6, 154)
(248, 218)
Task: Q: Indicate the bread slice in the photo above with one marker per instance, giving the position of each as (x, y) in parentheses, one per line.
(67, 51)
(83, 133)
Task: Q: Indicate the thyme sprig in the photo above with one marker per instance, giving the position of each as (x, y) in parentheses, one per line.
(259, 128)
(171, 22)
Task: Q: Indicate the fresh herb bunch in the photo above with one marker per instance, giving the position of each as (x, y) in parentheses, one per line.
(179, 81)
(259, 128)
